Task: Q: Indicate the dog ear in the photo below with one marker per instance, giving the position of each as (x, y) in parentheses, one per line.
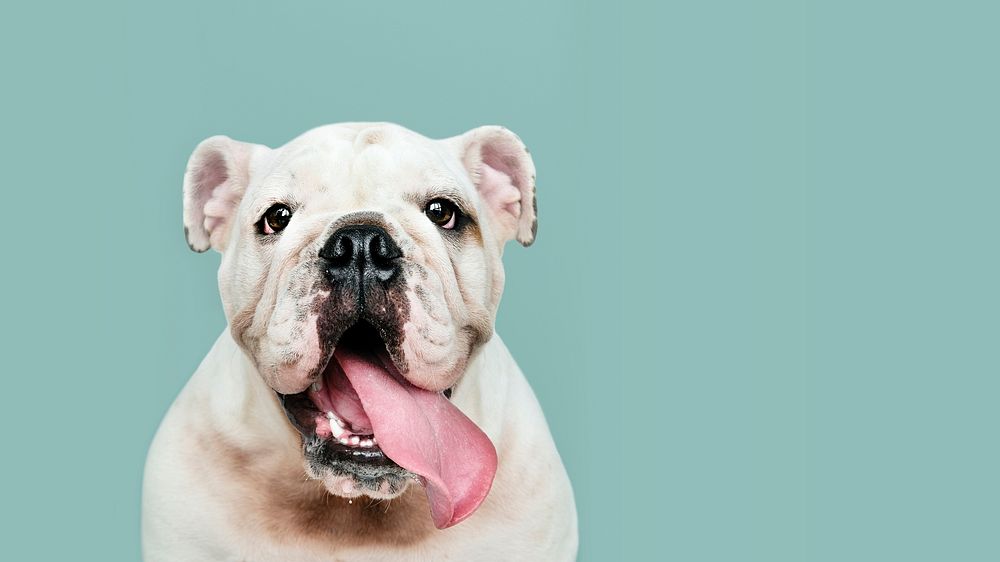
(217, 175)
(503, 172)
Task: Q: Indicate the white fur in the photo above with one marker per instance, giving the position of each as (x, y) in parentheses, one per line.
(528, 515)
(197, 508)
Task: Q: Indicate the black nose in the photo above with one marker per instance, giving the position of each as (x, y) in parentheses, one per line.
(363, 252)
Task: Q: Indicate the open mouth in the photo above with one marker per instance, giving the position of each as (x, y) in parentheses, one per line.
(362, 418)
(332, 419)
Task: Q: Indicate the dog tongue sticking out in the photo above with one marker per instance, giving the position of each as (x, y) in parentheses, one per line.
(423, 432)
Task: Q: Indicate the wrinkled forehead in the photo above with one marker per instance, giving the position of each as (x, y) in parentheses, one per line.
(355, 167)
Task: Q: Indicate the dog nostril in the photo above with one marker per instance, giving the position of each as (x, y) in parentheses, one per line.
(379, 251)
(343, 251)
(382, 258)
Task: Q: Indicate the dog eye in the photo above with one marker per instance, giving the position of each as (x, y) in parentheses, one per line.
(442, 213)
(275, 219)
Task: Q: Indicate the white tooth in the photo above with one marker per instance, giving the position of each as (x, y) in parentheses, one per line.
(336, 429)
(374, 441)
(317, 386)
(334, 418)
(343, 441)
(355, 440)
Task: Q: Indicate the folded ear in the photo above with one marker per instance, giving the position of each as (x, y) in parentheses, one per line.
(217, 175)
(504, 175)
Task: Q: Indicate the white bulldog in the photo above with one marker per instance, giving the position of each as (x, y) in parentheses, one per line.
(359, 406)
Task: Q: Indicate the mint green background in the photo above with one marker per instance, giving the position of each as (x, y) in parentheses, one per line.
(761, 314)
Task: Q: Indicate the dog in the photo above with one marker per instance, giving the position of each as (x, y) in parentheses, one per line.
(359, 405)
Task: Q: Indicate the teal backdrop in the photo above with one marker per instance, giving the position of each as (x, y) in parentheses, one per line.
(761, 314)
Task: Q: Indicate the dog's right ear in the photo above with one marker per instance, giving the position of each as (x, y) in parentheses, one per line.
(216, 178)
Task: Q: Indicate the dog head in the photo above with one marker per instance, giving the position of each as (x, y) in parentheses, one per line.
(360, 270)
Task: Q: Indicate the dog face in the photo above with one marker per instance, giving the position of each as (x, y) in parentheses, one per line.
(365, 238)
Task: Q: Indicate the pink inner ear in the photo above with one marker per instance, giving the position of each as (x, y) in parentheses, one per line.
(505, 178)
(498, 191)
(209, 179)
(211, 173)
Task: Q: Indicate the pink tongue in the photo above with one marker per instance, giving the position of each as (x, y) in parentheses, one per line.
(424, 433)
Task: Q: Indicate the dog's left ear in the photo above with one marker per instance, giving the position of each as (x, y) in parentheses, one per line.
(504, 175)
(216, 178)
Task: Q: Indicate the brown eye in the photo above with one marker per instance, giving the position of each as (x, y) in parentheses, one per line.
(275, 219)
(442, 213)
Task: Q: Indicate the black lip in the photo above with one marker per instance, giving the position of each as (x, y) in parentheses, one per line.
(301, 412)
(369, 468)
(331, 452)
